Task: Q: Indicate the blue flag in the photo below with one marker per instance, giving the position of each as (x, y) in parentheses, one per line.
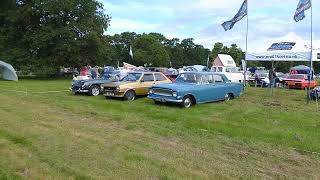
(241, 13)
(302, 6)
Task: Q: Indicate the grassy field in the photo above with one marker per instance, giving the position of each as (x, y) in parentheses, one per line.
(58, 135)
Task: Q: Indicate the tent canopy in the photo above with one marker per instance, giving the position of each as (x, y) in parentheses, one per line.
(8, 71)
(285, 51)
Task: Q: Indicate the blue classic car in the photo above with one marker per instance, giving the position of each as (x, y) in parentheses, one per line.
(192, 88)
(93, 86)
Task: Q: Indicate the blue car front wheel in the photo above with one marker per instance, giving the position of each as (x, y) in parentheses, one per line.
(228, 97)
(187, 102)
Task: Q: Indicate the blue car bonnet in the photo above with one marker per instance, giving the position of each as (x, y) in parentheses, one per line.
(176, 86)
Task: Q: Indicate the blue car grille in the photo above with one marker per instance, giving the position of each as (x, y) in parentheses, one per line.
(77, 84)
(162, 92)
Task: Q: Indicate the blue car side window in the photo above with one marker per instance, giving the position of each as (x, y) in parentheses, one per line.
(218, 79)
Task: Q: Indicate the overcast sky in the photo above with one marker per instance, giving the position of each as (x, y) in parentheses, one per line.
(269, 20)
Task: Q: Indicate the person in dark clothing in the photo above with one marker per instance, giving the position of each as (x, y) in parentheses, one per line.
(272, 77)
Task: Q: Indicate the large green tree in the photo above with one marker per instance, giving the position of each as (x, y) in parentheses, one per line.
(156, 50)
(149, 51)
(41, 36)
(120, 46)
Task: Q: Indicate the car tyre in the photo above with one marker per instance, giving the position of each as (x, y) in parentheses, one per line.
(130, 96)
(157, 102)
(228, 97)
(187, 102)
(94, 90)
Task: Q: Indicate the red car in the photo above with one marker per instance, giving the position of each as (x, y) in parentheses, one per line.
(299, 81)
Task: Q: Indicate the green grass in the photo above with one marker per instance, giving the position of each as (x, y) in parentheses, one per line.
(63, 136)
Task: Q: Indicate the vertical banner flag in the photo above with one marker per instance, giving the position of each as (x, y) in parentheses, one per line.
(302, 6)
(130, 52)
(244, 65)
(241, 13)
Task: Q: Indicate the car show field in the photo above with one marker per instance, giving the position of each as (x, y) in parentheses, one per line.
(47, 132)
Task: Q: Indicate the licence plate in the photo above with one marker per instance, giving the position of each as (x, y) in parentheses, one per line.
(109, 93)
(162, 100)
(291, 83)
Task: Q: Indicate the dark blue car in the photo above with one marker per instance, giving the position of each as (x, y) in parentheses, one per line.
(93, 86)
(192, 88)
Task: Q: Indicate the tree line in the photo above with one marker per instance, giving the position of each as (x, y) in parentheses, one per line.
(42, 36)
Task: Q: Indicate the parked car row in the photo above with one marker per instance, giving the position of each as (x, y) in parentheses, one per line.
(188, 89)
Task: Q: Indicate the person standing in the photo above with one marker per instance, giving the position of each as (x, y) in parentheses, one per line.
(272, 77)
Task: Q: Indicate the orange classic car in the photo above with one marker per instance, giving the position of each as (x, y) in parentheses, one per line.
(299, 81)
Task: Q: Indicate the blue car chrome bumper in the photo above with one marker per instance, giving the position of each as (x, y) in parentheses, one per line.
(164, 99)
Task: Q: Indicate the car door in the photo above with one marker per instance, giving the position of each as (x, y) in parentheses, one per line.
(220, 88)
(210, 89)
(147, 80)
(207, 90)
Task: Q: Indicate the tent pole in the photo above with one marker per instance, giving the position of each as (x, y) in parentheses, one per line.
(317, 101)
(272, 78)
(311, 51)
(245, 56)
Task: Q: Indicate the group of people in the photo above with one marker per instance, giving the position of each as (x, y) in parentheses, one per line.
(271, 80)
(89, 71)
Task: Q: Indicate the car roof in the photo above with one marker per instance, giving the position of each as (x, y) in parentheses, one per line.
(145, 72)
(202, 72)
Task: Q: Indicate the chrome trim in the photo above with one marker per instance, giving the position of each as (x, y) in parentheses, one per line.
(166, 100)
(162, 94)
(80, 90)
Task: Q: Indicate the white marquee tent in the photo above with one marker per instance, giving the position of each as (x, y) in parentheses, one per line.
(8, 72)
(285, 51)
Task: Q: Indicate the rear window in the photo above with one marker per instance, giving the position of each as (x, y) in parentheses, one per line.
(148, 77)
(159, 77)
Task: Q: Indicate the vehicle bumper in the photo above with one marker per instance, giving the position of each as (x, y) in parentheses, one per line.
(79, 90)
(295, 87)
(113, 94)
(164, 99)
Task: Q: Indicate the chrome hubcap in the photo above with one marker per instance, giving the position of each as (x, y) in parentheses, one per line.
(131, 96)
(95, 91)
(227, 97)
(187, 102)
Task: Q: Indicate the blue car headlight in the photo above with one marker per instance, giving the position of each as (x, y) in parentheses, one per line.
(174, 94)
(150, 91)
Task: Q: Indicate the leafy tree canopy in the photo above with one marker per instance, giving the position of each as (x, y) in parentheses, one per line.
(41, 36)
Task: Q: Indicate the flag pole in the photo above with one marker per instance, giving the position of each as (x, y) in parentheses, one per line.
(311, 53)
(245, 59)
